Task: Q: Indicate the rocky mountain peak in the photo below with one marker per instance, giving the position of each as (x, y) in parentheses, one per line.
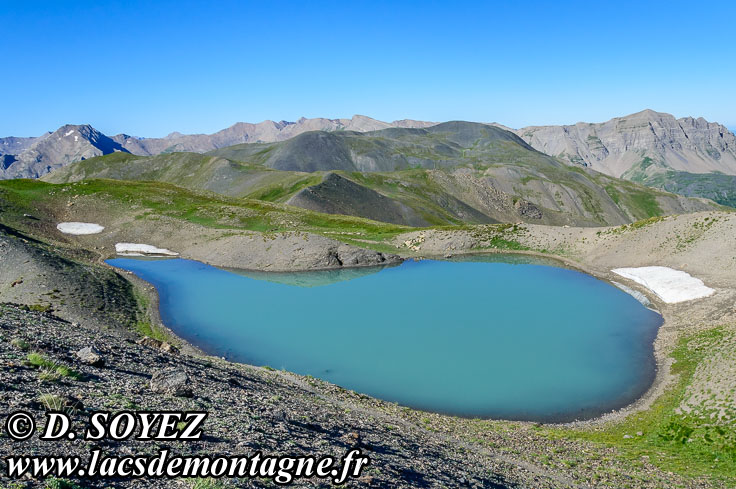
(615, 146)
(69, 143)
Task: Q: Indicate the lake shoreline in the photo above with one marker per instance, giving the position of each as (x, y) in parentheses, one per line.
(643, 401)
(662, 343)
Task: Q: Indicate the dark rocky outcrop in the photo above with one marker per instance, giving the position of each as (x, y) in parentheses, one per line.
(338, 195)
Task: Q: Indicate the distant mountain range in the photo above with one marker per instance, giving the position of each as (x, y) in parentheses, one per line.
(34, 157)
(689, 156)
(449, 173)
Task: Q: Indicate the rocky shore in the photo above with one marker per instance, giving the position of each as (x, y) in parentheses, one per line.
(251, 409)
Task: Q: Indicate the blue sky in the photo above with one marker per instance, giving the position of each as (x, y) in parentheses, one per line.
(149, 68)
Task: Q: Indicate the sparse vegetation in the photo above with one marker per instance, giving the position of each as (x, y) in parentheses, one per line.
(207, 484)
(50, 370)
(685, 443)
(55, 483)
(20, 344)
(52, 402)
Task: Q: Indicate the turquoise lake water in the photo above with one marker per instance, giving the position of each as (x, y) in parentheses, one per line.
(501, 337)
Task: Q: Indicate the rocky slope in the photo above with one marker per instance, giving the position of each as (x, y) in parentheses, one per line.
(13, 145)
(614, 147)
(238, 233)
(338, 195)
(251, 409)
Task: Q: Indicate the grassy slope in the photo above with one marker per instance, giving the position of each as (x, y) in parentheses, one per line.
(690, 444)
(719, 187)
(151, 199)
(190, 170)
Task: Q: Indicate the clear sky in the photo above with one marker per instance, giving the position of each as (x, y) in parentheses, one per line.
(149, 68)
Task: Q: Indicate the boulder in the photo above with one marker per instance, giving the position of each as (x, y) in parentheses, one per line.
(171, 381)
(90, 356)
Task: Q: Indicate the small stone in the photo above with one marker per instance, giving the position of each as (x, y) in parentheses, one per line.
(171, 381)
(628, 436)
(353, 438)
(168, 348)
(149, 342)
(639, 433)
(90, 356)
(158, 345)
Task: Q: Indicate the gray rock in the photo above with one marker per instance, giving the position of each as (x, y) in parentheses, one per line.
(67, 144)
(613, 147)
(90, 356)
(171, 381)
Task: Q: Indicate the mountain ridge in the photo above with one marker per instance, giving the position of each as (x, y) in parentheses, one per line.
(450, 173)
(29, 157)
(245, 132)
(615, 146)
(68, 144)
(653, 144)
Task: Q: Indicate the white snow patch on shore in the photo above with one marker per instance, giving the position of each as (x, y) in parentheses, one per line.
(139, 249)
(79, 228)
(668, 284)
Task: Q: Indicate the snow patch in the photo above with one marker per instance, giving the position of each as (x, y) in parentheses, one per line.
(139, 249)
(79, 228)
(69, 133)
(668, 284)
(634, 293)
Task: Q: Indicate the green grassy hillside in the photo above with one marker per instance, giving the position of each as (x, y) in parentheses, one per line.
(32, 204)
(718, 187)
